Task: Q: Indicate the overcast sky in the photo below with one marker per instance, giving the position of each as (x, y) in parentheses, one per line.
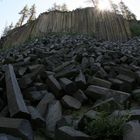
(9, 8)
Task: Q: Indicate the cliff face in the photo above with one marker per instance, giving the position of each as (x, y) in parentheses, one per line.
(104, 25)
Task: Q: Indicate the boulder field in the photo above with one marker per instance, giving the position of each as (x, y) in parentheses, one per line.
(53, 83)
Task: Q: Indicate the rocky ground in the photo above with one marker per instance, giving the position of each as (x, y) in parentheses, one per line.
(53, 84)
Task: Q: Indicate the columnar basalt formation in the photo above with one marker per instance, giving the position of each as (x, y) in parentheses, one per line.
(102, 24)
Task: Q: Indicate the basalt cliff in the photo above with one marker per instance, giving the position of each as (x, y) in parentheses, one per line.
(103, 25)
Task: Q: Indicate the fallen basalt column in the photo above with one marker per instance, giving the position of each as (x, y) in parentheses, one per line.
(16, 127)
(16, 104)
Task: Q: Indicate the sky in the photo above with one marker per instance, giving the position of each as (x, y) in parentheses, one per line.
(9, 9)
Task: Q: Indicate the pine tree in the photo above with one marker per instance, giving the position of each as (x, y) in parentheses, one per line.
(7, 29)
(64, 7)
(127, 14)
(24, 14)
(32, 13)
(114, 7)
(58, 7)
(18, 24)
(95, 3)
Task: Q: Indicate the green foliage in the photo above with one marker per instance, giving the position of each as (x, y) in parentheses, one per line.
(135, 28)
(126, 12)
(7, 29)
(114, 7)
(56, 7)
(105, 127)
(32, 13)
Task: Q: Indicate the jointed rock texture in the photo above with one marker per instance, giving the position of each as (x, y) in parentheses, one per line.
(103, 25)
(57, 82)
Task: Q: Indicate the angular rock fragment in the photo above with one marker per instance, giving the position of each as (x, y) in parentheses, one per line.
(25, 81)
(53, 115)
(68, 85)
(132, 131)
(117, 84)
(136, 94)
(69, 72)
(8, 137)
(96, 92)
(1, 104)
(16, 104)
(133, 114)
(108, 105)
(80, 96)
(43, 104)
(70, 102)
(4, 112)
(85, 63)
(80, 81)
(91, 114)
(33, 67)
(16, 127)
(127, 79)
(35, 96)
(69, 133)
(36, 119)
(54, 86)
(22, 71)
(67, 120)
(99, 82)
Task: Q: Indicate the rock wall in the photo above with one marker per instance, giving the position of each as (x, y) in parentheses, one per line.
(104, 25)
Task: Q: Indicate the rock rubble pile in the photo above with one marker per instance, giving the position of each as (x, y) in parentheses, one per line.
(55, 82)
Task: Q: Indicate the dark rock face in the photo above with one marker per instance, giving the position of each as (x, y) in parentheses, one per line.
(54, 81)
(132, 131)
(16, 127)
(54, 114)
(70, 102)
(8, 137)
(69, 133)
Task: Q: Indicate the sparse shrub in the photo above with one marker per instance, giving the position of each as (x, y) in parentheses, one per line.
(105, 127)
(135, 28)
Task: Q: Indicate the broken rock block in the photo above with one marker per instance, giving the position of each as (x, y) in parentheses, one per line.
(132, 130)
(99, 82)
(108, 105)
(43, 104)
(136, 94)
(70, 102)
(16, 127)
(25, 81)
(35, 96)
(68, 133)
(68, 85)
(80, 96)
(97, 92)
(54, 86)
(134, 113)
(16, 104)
(36, 118)
(80, 81)
(22, 71)
(8, 137)
(67, 73)
(4, 112)
(53, 115)
(118, 84)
